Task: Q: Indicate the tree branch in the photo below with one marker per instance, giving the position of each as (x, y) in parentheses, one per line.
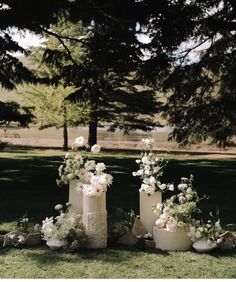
(60, 39)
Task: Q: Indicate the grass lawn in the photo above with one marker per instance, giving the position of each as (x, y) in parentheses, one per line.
(27, 183)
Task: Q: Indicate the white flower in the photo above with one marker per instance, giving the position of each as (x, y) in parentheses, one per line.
(90, 165)
(100, 167)
(148, 189)
(161, 221)
(95, 148)
(171, 187)
(71, 176)
(182, 199)
(163, 186)
(182, 186)
(145, 160)
(134, 173)
(79, 142)
(189, 197)
(148, 142)
(92, 191)
(139, 172)
(58, 207)
(138, 161)
(189, 190)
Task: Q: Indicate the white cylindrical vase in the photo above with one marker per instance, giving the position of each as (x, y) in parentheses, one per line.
(95, 220)
(75, 197)
(171, 240)
(147, 216)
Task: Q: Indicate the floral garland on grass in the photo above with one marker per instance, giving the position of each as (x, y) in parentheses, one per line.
(93, 180)
(151, 169)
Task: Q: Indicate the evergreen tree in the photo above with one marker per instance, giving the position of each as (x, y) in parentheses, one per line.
(106, 82)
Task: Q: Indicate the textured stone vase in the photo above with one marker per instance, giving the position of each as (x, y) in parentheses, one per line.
(171, 240)
(75, 197)
(147, 216)
(95, 221)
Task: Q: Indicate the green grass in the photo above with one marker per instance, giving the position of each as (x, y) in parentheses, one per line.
(114, 263)
(27, 183)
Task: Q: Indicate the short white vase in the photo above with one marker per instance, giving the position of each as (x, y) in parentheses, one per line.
(95, 221)
(171, 240)
(55, 244)
(147, 216)
(75, 197)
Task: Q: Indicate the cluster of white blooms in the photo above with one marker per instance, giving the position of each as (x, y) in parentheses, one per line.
(93, 181)
(63, 228)
(150, 170)
(177, 213)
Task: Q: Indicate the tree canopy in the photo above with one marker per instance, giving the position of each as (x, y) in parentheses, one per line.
(199, 91)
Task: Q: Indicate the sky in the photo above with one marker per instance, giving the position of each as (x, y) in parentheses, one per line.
(28, 39)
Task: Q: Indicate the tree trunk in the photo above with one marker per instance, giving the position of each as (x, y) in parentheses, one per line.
(92, 136)
(65, 137)
(65, 130)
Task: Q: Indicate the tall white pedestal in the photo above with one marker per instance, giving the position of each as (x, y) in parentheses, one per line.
(75, 197)
(95, 221)
(147, 216)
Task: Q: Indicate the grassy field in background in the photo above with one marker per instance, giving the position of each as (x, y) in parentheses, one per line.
(27, 183)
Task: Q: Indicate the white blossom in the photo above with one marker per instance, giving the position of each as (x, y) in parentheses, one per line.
(79, 142)
(95, 148)
(171, 187)
(100, 167)
(163, 186)
(148, 141)
(58, 207)
(90, 165)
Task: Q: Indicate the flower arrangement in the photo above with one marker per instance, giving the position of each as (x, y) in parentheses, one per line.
(93, 181)
(210, 231)
(151, 169)
(178, 214)
(65, 230)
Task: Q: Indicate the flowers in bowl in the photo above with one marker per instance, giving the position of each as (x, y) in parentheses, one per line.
(179, 211)
(64, 231)
(151, 169)
(93, 181)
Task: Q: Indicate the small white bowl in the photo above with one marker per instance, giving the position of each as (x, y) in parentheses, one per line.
(203, 246)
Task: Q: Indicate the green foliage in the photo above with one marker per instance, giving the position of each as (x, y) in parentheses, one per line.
(13, 113)
(50, 107)
(12, 70)
(119, 223)
(109, 58)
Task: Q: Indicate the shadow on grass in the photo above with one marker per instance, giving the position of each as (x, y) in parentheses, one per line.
(27, 183)
(113, 255)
